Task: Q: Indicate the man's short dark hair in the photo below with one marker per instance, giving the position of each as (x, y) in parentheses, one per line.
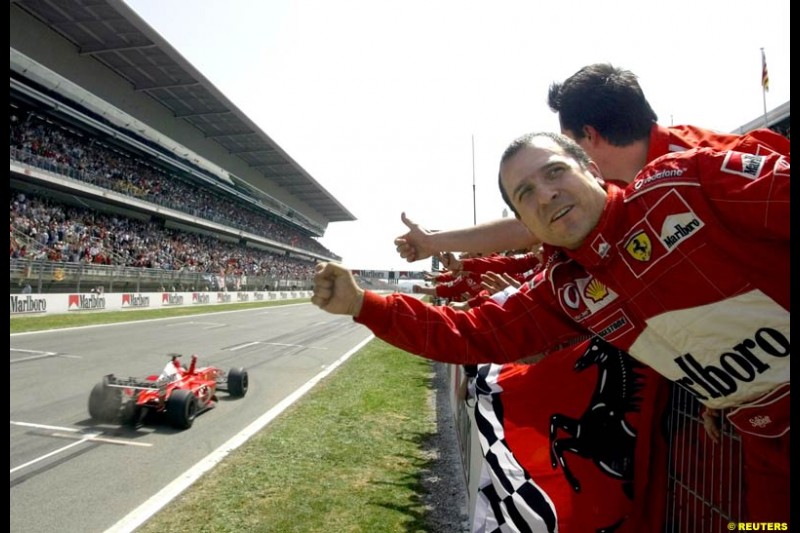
(605, 97)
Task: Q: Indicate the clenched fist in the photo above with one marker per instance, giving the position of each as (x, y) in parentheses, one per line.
(336, 291)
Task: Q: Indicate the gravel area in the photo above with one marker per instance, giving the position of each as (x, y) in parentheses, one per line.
(445, 485)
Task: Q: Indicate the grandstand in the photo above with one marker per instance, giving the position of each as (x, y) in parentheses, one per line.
(109, 122)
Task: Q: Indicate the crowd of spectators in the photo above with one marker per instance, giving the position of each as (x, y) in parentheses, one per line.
(44, 228)
(91, 161)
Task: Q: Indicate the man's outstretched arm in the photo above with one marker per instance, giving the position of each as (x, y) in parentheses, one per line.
(490, 333)
(494, 236)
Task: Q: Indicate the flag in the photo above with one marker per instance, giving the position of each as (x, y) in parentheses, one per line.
(764, 74)
(585, 457)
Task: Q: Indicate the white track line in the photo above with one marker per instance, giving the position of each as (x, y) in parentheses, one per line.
(54, 452)
(245, 345)
(85, 437)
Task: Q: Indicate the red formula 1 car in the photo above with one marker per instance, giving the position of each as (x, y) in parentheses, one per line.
(178, 393)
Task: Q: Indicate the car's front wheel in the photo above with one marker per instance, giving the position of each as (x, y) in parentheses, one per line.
(238, 382)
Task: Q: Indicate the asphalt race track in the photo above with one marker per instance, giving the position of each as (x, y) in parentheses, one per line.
(70, 474)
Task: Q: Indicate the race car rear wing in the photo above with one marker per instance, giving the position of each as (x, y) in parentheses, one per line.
(134, 383)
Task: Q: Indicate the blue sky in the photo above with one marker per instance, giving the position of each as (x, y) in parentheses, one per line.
(380, 101)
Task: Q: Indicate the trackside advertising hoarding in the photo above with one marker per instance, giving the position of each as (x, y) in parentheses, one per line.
(40, 304)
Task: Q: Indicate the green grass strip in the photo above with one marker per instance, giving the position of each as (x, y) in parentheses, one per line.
(347, 458)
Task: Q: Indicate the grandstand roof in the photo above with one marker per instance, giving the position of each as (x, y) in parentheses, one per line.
(111, 33)
(769, 120)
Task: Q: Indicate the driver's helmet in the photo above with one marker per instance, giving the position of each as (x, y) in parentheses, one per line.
(172, 370)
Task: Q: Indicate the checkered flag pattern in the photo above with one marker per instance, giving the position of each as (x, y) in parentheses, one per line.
(508, 499)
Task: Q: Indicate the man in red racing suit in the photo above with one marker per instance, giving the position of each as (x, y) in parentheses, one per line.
(687, 269)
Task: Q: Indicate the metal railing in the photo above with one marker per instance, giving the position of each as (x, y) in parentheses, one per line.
(705, 478)
(54, 276)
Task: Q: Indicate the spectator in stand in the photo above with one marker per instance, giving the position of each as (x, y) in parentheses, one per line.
(84, 235)
(634, 266)
(604, 109)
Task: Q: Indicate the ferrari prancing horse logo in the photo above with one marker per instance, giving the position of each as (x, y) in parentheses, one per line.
(639, 247)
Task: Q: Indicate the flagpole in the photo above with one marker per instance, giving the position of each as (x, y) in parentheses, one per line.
(764, 81)
(474, 212)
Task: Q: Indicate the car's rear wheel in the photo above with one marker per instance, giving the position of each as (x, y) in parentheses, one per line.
(238, 382)
(105, 403)
(131, 413)
(181, 408)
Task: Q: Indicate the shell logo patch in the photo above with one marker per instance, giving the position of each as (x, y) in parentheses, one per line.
(596, 291)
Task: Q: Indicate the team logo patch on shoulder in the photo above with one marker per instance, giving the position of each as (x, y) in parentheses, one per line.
(741, 164)
(639, 247)
(600, 246)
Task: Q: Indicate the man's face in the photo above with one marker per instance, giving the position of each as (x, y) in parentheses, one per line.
(557, 200)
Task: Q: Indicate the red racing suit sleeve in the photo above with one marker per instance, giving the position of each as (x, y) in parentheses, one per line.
(456, 289)
(479, 298)
(527, 324)
(444, 277)
(509, 264)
